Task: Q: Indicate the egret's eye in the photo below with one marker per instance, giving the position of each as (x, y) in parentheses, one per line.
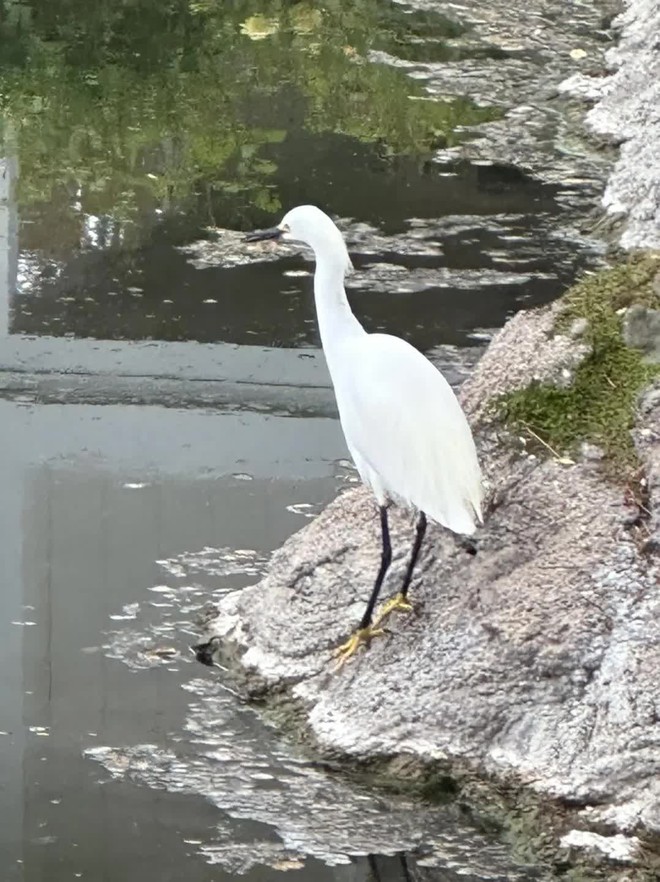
(285, 228)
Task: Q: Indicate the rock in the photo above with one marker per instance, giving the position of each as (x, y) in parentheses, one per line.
(591, 451)
(578, 328)
(641, 330)
(537, 659)
(647, 441)
(527, 349)
(619, 848)
(626, 113)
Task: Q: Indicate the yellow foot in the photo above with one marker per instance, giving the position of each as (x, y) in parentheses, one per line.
(398, 602)
(348, 649)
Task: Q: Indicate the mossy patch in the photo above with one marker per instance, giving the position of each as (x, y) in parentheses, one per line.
(599, 404)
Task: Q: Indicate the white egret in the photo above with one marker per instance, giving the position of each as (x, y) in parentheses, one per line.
(406, 431)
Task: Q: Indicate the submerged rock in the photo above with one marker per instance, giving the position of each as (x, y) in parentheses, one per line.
(537, 659)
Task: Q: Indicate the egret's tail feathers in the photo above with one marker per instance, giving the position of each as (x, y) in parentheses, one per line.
(458, 511)
(412, 439)
(458, 520)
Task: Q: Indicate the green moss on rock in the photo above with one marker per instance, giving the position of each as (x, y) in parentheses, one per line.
(599, 404)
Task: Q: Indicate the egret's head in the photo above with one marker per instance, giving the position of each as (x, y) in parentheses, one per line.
(310, 225)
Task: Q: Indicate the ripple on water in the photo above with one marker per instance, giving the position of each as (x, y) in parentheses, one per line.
(224, 752)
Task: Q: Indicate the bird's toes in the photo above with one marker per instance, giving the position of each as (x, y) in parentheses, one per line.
(362, 637)
(398, 603)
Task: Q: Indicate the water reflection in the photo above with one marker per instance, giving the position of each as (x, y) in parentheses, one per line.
(8, 235)
(188, 781)
(92, 497)
(121, 123)
(295, 807)
(157, 293)
(143, 133)
(131, 146)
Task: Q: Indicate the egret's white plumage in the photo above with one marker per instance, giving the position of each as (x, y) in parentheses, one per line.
(407, 433)
(403, 425)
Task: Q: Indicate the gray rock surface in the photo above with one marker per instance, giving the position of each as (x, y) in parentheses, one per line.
(626, 113)
(641, 330)
(538, 658)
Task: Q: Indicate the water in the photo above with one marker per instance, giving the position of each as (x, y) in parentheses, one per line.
(190, 780)
(166, 417)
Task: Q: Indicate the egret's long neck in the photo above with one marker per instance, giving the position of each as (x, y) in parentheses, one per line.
(337, 324)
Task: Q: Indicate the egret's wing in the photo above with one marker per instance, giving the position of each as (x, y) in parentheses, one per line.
(402, 418)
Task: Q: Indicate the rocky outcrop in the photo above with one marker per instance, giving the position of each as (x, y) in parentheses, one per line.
(626, 113)
(537, 658)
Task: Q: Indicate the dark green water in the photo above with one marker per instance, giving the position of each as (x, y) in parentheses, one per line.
(136, 126)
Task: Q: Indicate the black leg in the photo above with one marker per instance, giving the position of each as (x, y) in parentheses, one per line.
(405, 870)
(373, 868)
(417, 544)
(385, 561)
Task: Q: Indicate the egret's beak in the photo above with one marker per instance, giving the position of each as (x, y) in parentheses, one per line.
(262, 235)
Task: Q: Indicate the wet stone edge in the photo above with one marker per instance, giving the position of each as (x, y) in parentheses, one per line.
(530, 823)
